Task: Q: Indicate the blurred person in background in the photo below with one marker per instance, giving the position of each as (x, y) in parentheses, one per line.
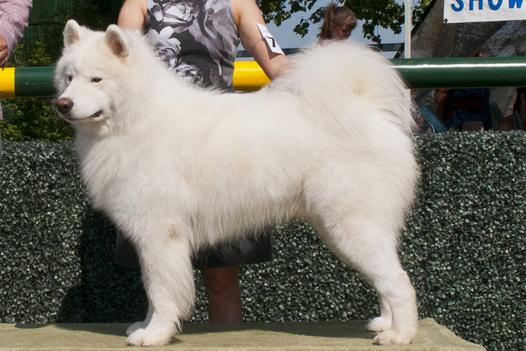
(517, 120)
(338, 23)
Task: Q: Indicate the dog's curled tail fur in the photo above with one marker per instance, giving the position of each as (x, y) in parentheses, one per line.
(350, 69)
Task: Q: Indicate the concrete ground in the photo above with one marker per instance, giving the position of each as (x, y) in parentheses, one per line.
(326, 336)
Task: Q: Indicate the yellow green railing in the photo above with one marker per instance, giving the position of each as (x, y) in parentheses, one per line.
(418, 73)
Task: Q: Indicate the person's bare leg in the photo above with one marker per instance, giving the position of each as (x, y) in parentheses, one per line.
(224, 295)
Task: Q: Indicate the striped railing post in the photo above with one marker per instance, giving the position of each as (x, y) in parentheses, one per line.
(26, 81)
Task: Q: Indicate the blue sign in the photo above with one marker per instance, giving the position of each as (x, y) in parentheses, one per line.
(456, 11)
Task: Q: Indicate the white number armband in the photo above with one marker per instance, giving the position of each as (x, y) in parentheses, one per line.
(269, 39)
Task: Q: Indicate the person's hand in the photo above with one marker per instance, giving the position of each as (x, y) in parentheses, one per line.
(3, 51)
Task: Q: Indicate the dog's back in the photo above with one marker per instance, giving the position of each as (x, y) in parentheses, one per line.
(336, 74)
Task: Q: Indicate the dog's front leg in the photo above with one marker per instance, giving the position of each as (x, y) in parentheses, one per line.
(168, 281)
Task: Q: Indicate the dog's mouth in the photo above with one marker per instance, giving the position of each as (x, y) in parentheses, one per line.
(96, 117)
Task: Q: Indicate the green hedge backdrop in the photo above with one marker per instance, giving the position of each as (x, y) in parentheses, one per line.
(464, 248)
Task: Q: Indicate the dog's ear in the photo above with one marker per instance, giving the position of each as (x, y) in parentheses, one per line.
(72, 32)
(117, 42)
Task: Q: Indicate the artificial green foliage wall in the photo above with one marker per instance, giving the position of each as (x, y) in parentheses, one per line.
(464, 248)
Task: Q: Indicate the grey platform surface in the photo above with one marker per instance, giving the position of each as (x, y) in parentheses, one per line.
(326, 336)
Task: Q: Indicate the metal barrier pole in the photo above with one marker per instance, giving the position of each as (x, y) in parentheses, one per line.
(26, 81)
(463, 72)
(418, 73)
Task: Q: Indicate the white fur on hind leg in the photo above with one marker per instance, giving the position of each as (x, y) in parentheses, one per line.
(400, 295)
(369, 248)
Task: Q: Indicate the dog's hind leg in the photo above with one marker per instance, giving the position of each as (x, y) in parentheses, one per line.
(371, 249)
(168, 280)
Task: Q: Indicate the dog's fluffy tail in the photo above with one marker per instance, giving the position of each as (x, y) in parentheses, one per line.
(325, 74)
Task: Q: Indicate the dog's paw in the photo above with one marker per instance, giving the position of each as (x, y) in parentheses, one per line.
(379, 324)
(150, 336)
(135, 326)
(390, 337)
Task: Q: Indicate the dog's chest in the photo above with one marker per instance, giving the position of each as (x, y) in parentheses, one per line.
(106, 170)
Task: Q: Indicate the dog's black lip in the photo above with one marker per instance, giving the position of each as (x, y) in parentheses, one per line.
(66, 117)
(97, 114)
(69, 118)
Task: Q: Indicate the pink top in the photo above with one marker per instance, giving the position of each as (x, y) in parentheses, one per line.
(14, 15)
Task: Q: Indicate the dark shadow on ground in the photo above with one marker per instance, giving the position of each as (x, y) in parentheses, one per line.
(107, 293)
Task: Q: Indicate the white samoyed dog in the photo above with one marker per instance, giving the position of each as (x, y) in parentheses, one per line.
(177, 167)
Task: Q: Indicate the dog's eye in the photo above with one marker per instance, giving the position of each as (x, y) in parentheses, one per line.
(96, 79)
(70, 78)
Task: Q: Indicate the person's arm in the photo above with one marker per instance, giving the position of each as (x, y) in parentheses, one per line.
(246, 15)
(132, 14)
(14, 16)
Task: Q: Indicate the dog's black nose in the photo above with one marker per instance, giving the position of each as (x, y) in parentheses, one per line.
(64, 105)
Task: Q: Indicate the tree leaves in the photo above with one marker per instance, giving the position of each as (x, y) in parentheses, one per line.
(374, 13)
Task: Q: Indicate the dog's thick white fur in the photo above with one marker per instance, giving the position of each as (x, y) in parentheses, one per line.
(178, 167)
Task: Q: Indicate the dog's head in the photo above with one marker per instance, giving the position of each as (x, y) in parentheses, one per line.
(88, 76)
